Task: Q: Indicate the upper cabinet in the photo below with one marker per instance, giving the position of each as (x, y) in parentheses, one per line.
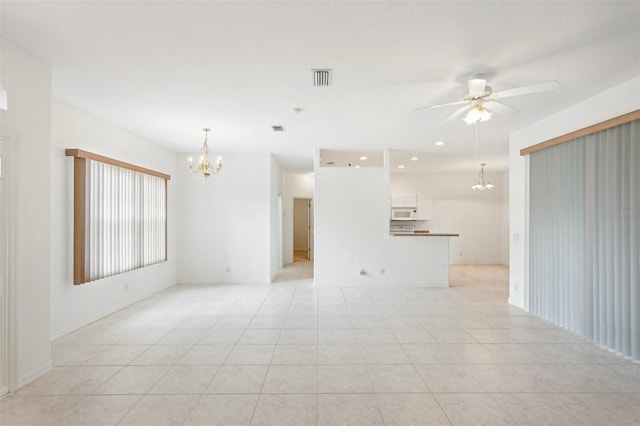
(404, 200)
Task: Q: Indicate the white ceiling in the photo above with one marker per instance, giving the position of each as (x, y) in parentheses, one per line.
(166, 69)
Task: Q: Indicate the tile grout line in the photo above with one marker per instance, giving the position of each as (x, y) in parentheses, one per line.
(317, 305)
(255, 407)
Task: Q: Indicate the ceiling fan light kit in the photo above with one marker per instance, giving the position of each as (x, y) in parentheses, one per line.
(480, 96)
(476, 114)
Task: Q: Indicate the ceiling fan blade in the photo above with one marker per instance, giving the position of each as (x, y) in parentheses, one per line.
(476, 86)
(441, 105)
(525, 90)
(458, 113)
(500, 107)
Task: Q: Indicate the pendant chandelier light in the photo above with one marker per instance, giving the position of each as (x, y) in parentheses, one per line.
(482, 183)
(204, 165)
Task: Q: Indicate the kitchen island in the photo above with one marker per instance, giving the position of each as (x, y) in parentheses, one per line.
(423, 257)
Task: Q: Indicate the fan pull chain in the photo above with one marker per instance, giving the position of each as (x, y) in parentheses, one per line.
(476, 124)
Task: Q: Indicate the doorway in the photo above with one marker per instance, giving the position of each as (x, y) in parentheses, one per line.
(302, 230)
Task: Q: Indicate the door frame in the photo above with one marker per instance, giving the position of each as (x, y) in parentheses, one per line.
(309, 225)
(280, 232)
(8, 376)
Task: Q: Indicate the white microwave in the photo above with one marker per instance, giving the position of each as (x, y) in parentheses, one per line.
(404, 214)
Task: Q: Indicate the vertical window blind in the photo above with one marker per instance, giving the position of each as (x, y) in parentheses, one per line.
(120, 218)
(585, 237)
(126, 220)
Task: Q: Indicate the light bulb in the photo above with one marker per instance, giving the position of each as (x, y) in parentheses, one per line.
(485, 115)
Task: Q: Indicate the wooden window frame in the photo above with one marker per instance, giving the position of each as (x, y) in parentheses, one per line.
(80, 198)
(604, 125)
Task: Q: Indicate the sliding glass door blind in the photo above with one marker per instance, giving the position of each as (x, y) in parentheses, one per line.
(585, 235)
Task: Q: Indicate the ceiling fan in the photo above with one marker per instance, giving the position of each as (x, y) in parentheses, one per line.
(481, 101)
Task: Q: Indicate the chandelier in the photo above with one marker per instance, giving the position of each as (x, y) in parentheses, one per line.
(482, 184)
(204, 165)
(476, 114)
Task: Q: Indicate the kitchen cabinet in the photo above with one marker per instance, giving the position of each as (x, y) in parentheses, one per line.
(404, 200)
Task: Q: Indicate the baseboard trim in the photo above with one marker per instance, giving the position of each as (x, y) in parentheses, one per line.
(26, 379)
(100, 315)
(517, 305)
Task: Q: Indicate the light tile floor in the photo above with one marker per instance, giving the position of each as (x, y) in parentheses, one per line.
(292, 354)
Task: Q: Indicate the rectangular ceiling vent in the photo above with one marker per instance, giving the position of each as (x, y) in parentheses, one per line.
(321, 78)
(278, 128)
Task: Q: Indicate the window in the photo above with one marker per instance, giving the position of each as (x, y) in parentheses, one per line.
(120, 217)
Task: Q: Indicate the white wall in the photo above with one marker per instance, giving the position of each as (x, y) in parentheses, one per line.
(74, 306)
(481, 218)
(294, 186)
(611, 103)
(352, 232)
(28, 123)
(225, 220)
(351, 221)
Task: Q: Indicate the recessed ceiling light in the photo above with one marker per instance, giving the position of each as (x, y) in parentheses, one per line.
(357, 167)
(439, 143)
(401, 166)
(363, 158)
(414, 158)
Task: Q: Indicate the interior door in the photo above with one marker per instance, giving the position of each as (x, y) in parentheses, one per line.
(303, 227)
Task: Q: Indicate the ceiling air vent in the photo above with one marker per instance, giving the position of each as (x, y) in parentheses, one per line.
(278, 128)
(321, 78)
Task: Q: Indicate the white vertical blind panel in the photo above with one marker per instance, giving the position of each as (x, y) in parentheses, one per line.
(557, 221)
(585, 234)
(634, 241)
(126, 220)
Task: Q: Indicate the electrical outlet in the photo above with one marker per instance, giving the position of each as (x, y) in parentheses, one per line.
(382, 271)
(126, 287)
(460, 254)
(363, 271)
(516, 286)
(227, 269)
